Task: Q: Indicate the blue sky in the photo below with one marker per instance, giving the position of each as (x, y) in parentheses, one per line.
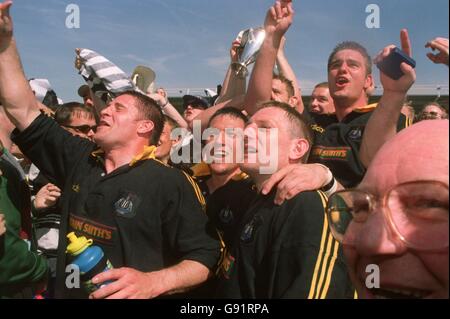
(186, 42)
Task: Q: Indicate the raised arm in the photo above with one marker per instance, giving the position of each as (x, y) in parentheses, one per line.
(15, 92)
(287, 71)
(382, 125)
(233, 85)
(278, 20)
(167, 107)
(237, 102)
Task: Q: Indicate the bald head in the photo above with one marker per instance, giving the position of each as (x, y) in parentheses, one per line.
(419, 152)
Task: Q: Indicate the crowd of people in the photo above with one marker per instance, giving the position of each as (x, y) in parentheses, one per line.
(250, 195)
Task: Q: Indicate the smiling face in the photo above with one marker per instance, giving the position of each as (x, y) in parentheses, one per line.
(228, 144)
(321, 101)
(348, 79)
(273, 140)
(404, 271)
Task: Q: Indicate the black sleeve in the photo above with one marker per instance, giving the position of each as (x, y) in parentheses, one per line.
(186, 225)
(51, 148)
(309, 263)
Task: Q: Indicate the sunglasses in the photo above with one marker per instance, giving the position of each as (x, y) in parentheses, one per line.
(195, 106)
(85, 129)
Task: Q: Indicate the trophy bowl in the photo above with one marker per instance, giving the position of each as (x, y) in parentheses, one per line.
(251, 42)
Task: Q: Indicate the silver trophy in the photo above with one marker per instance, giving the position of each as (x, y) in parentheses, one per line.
(251, 42)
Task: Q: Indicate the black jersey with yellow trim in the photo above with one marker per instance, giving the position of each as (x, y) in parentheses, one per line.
(144, 215)
(228, 204)
(285, 251)
(337, 144)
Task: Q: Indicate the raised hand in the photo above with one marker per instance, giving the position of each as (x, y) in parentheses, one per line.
(6, 25)
(279, 18)
(440, 44)
(403, 84)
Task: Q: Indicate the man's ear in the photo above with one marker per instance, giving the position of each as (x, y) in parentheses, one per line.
(145, 127)
(299, 148)
(369, 85)
(293, 101)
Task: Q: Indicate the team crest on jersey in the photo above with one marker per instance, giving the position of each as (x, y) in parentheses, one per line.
(126, 205)
(355, 134)
(226, 215)
(248, 234)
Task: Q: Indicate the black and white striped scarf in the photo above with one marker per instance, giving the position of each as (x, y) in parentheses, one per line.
(104, 78)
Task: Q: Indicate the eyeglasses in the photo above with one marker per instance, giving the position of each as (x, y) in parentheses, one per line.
(85, 129)
(430, 115)
(416, 212)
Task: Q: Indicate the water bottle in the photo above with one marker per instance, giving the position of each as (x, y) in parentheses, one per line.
(90, 260)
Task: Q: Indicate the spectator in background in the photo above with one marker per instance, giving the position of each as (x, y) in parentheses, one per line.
(85, 92)
(77, 119)
(397, 218)
(432, 111)
(321, 100)
(23, 273)
(166, 142)
(193, 106)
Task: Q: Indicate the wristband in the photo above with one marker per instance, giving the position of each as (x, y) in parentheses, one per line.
(167, 102)
(332, 184)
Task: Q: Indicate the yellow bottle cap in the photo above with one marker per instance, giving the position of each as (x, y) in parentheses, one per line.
(77, 244)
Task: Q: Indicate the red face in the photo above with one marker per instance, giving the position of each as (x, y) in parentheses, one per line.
(404, 271)
(118, 123)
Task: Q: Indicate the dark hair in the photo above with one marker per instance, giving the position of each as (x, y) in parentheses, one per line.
(229, 111)
(148, 109)
(355, 46)
(289, 84)
(300, 127)
(322, 85)
(64, 113)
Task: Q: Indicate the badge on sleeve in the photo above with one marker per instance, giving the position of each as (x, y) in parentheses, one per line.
(248, 234)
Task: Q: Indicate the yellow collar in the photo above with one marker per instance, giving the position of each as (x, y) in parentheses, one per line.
(366, 108)
(148, 153)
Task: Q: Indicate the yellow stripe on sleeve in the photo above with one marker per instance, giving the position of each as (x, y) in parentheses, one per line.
(317, 268)
(330, 270)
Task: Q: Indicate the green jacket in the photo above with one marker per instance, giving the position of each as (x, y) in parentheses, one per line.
(20, 268)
